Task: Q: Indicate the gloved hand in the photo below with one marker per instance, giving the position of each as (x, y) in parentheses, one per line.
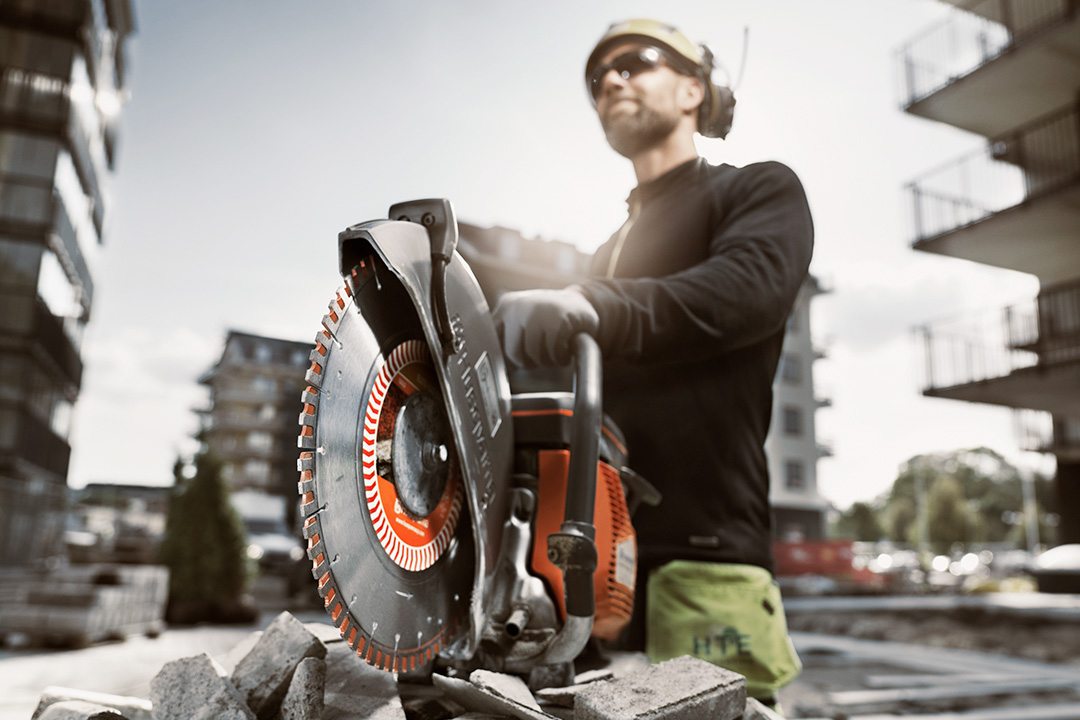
(535, 326)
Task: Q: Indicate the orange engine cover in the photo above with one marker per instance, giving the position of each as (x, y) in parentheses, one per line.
(616, 544)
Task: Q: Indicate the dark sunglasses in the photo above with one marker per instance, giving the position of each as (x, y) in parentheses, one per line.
(627, 65)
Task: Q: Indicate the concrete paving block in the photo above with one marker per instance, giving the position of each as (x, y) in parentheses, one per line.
(131, 708)
(685, 688)
(355, 689)
(304, 700)
(484, 700)
(79, 710)
(196, 688)
(263, 676)
(756, 711)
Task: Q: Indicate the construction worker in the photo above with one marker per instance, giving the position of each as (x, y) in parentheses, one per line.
(688, 302)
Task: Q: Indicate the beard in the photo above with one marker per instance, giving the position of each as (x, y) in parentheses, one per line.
(632, 133)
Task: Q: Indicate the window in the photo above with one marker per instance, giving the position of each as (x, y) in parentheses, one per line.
(790, 368)
(257, 471)
(267, 413)
(794, 476)
(263, 384)
(28, 156)
(299, 358)
(259, 441)
(792, 420)
(11, 376)
(262, 354)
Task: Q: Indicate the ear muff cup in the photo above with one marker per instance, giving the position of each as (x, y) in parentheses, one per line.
(718, 113)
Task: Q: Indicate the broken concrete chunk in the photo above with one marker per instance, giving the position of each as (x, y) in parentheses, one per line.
(79, 710)
(431, 708)
(130, 707)
(196, 688)
(510, 687)
(355, 689)
(562, 697)
(263, 676)
(324, 631)
(756, 711)
(685, 688)
(304, 700)
(485, 701)
(584, 678)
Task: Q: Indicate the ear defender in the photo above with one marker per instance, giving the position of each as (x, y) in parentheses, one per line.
(718, 110)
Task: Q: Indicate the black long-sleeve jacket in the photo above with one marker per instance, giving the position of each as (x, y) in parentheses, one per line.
(693, 295)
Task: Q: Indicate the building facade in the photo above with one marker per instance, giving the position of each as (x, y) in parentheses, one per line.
(1008, 70)
(250, 424)
(63, 73)
(503, 260)
(792, 446)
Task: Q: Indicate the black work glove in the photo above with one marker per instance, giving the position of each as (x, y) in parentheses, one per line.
(535, 327)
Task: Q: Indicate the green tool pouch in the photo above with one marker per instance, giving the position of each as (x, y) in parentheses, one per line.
(729, 615)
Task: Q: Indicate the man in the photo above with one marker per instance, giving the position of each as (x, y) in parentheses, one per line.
(689, 306)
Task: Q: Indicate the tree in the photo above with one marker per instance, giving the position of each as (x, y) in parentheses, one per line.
(971, 495)
(951, 518)
(859, 522)
(205, 547)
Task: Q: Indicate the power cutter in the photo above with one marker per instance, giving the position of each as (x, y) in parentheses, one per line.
(447, 520)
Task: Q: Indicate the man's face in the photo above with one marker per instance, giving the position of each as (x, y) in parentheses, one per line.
(640, 111)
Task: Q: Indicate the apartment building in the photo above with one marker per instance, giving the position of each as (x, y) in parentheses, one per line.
(792, 446)
(503, 260)
(250, 423)
(63, 78)
(1009, 71)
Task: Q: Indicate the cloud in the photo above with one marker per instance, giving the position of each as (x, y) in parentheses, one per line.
(135, 412)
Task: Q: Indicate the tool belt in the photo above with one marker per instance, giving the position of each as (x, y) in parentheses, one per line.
(729, 615)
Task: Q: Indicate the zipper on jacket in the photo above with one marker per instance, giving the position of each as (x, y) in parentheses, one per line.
(620, 239)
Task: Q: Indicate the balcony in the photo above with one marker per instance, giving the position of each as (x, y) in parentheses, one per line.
(993, 65)
(1011, 204)
(26, 439)
(1026, 356)
(38, 103)
(1046, 433)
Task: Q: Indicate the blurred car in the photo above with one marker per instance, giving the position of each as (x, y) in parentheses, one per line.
(272, 545)
(1058, 569)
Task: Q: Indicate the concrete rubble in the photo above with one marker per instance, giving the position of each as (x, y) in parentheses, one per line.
(293, 671)
(130, 708)
(263, 676)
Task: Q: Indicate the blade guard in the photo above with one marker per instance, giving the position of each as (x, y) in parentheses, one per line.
(468, 361)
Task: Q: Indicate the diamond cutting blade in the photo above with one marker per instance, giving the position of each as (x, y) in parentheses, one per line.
(383, 497)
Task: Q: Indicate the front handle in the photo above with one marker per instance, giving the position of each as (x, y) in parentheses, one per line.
(573, 548)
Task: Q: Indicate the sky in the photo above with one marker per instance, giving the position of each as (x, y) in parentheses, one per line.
(256, 131)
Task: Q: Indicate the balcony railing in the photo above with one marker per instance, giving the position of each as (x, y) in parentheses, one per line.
(969, 39)
(1044, 331)
(972, 350)
(1042, 432)
(1033, 160)
(1050, 326)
